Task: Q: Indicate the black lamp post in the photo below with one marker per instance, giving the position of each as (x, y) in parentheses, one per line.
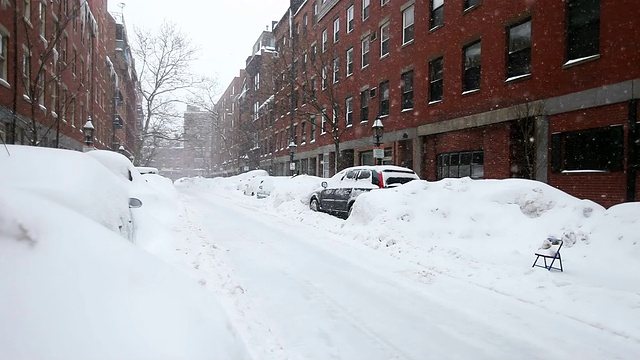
(88, 133)
(292, 151)
(378, 130)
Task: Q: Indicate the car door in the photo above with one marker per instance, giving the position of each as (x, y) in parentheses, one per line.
(343, 192)
(362, 184)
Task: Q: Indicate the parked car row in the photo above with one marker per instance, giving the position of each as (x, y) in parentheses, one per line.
(338, 194)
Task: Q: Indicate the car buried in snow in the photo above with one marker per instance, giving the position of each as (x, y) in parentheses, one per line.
(338, 194)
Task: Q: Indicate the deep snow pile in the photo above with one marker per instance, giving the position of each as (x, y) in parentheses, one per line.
(486, 232)
(73, 288)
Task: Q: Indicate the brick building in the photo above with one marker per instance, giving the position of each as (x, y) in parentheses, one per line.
(56, 72)
(546, 90)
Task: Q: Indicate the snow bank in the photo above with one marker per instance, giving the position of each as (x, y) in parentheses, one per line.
(69, 178)
(72, 288)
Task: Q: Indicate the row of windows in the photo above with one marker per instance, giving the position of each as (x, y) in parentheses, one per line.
(583, 19)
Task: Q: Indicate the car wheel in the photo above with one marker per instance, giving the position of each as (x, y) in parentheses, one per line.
(313, 205)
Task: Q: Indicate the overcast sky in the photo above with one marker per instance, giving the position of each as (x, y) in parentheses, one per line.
(224, 30)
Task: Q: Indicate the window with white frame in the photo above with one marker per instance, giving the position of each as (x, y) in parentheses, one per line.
(365, 9)
(365, 52)
(336, 69)
(312, 131)
(26, 71)
(4, 41)
(407, 24)
(350, 16)
(384, 2)
(436, 75)
(26, 6)
(256, 82)
(364, 105)
(42, 19)
(349, 111)
(336, 30)
(384, 40)
(407, 90)
(350, 62)
(519, 49)
(325, 39)
(437, 14)
(323, 124)
(324, 78)
(468, 4)
(384, 98)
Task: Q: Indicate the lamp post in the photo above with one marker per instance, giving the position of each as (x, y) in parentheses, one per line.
(88, 129)
(378, 130)
(292, 151)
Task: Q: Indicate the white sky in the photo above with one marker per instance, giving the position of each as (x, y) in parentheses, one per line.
(224, 30)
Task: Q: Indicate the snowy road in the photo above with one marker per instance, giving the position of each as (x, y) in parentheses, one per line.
(295, 292)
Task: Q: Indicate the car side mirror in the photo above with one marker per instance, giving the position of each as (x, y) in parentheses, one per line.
(324, 184)
(134, 203)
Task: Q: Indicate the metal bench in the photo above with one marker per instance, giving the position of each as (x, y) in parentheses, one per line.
(553, 253)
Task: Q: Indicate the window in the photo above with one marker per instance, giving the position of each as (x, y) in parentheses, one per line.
(312, 133)
(407, 90)
(323, 125)
(583, 28)
(336, 30)
(598, 149)
(384, 2)
(325, 39)
(435, 79)
(256, 82)
(364, 106)
(384, 98)
(471, 76)
(4, 41)
(350, 16)
(336, 70)
(469, 4)
(365, 52)
(41, 89)
(324, 78)
(407, 24)
(519, 49)
(365, 9)
(303, 129)
(42, 18)
(65, 46)
(27, 10)
(26, 71)
(384, 40)
(73, 62)
(437, 14)
(350, 62)
(349, 111)
(461, 164)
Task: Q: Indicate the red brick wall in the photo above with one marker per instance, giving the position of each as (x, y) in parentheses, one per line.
(607, 188)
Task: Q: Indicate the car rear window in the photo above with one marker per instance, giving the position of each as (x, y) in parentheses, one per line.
(398, 177)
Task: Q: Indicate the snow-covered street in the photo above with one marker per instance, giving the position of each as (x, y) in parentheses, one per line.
(297, 292)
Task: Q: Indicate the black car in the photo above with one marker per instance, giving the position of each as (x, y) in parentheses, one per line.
(339, 193)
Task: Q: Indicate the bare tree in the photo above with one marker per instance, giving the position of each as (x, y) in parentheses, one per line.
(311, 72)
(163, 59)
(523, 135)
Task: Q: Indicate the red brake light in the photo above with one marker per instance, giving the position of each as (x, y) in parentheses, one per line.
(380, 180)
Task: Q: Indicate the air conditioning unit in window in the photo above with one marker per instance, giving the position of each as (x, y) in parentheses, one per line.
(372, 92)
(373, 36)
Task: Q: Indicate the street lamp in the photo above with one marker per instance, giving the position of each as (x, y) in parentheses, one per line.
(88, 132)
(378, 130)
(292, 151)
